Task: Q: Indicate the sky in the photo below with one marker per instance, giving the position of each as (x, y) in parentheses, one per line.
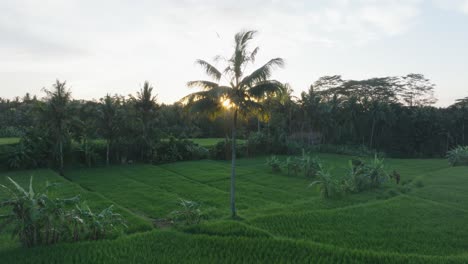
(114, 46)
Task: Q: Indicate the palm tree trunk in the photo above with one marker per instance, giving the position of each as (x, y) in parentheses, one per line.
(233, 166)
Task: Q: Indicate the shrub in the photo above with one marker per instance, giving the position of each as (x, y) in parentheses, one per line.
(329, 186)
(364, 176)
(309, 165)
(458, 156)
(39, 219)
(10, 131)
(188, 214)
(222, 150)
(292, 165)
(257, 143)
(178, 150)
(274, 163)
(353, 150)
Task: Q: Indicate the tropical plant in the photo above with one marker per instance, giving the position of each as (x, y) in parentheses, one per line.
(365, 175)
(241, 95)
(458, 156)
(100, 225)
(329, 185)
(274, 163)
(146, 107)
(38, 219)
(292, 165)
(309, 165)
(188, 214)
(57, 115)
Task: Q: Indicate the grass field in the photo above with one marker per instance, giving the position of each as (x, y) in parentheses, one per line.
(423, 221)
(9, 140)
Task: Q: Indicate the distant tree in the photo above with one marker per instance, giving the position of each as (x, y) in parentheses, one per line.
(83, 126)
(461, 114)
(416, 90)
(146, 107)
(242, 93)
(108, 122)
(57, 115)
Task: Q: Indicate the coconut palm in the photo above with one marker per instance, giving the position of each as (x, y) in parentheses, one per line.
(242, 91)
(146, 107)
(109, 123)
(57, 114)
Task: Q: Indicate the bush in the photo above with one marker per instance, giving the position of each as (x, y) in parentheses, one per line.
(353, 150)
(188, 214)
(274, 163)
(257, 143)
(292, 165)
(329, 185)
(222, 150)
(458, 156)
(10, 131)
(309, 165)
(41, 220)
(178, 150)
(365, 176)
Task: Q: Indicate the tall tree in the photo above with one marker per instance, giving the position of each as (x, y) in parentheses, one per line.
(146, 106)
(58, 116)
(417, 90)
(108, 122)
(241, 93)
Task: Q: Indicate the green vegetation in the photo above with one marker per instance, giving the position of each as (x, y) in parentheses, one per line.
(210, 142)
(9, 140)
(458, 156)
(132, 158)
(282, 219)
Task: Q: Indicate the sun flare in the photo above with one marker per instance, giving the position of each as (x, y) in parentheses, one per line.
(226, 103)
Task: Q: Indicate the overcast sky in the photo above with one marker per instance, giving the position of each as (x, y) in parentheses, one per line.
(113, 46)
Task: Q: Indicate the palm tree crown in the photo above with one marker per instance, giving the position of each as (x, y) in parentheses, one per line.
(243, 91)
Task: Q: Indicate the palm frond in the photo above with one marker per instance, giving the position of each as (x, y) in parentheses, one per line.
(242, 38)
(209, 69)
(205, 105)
(248, 106)
(205, 85)
(266, 88)
(262, 73)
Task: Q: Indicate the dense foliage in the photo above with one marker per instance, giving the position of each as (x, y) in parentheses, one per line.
(335, 115)
(38, 219)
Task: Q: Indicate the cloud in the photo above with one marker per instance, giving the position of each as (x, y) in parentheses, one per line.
(457, 5)
(465, 7)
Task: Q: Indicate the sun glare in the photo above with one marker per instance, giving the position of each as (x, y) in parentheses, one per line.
(227, 103)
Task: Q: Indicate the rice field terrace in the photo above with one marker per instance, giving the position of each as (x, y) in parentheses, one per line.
(281, 219)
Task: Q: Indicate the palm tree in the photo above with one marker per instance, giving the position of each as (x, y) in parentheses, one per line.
(146, 106)
(109, 123)
(242, 92)
(58, 116)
